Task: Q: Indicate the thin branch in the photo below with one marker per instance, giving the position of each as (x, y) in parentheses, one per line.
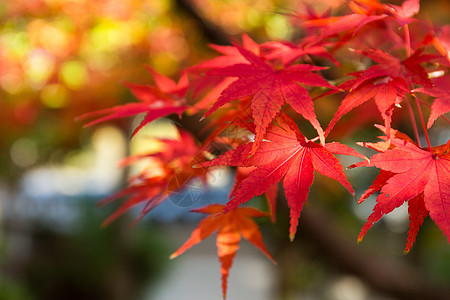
(413, 121)
(213, 33)
(423, 102)
(423, 122)
(407, 40)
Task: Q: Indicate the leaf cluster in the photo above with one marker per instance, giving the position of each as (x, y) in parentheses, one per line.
(264, 92)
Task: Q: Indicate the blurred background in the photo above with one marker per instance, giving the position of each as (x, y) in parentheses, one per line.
(62, 58)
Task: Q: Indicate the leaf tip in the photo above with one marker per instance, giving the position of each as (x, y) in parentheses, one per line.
(104, 224)
(291, 237)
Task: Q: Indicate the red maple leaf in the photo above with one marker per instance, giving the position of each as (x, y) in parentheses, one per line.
(230, 56)
(441, 103)
(387, 83)
(230, 227)
(168, 171)
(409, 69)
(224, 121)
(271, 193)
(270, 89)
(387, 93)
(403, 14)
(414, 175)
(441, 41)
(284, 154)
(215, 84)
(289, 52)
(364, 12)
(166, 98)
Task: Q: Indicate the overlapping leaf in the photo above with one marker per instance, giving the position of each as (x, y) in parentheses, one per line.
(170, 169)
(441, 103)
(270, 194)
(284, 154)
(166, 98)
(263, 79)
(414, 175)
(290, 52)
(270, 89)
(209, 87)
(386, 82)
(365, 12)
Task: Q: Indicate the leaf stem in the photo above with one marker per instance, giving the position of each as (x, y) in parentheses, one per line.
(407, 40)
(421, 101)
(423, 122)
(413, 121)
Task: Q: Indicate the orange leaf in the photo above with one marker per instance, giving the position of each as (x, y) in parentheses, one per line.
(230, 226)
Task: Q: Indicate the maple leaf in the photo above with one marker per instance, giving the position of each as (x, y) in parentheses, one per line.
(442, 41)
(365, 13)
(387, 93)
(309, 13)
(352, 23)
(366, 7)
(270, 89)
(271, 193)
(387, 83)
(230, 56)
(441, 104)
(417, 213)
(284, 154)
(414, 175)
(215, 84)
(168, 171)
(145, 191)
(165, 98)
(376, 185)
(230, 228)
(403, 14)
(289, 52)
(237, 114)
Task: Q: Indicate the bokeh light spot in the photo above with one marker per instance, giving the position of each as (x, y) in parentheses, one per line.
(15, 44)
(101, 61)
(54, 39)
(277, 27)
(24, 152)
(165, 63)
(253, 18)
(54, 96)
(38, 67)
(12, 81)
(73, 74)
